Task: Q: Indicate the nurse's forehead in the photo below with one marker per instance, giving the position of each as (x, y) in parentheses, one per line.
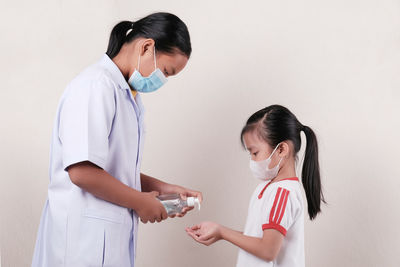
(176, 62)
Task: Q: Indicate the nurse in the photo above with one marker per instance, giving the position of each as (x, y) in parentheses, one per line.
(97, 193)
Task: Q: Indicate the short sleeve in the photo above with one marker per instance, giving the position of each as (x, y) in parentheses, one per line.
(85, 123)
(281, 210)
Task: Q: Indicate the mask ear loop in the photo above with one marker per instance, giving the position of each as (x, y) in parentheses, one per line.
(155, 59)
(138, 64)
(280, 160)
(274, 150)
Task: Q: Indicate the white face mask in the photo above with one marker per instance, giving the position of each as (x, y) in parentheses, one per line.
(261, 170)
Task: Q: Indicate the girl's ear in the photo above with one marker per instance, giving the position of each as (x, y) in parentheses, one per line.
(284, 150)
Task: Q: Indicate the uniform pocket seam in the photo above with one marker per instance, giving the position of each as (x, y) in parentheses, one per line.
(114, 218)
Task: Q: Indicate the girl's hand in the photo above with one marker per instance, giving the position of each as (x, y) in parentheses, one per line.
(205, 233)
(151, 209)
(184, 193)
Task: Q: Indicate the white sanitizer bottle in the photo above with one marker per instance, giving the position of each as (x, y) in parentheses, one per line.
(174, 204)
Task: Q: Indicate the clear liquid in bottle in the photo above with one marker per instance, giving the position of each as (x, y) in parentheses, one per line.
(174, 204)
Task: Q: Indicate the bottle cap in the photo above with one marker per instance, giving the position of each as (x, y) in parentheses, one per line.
(193, 201)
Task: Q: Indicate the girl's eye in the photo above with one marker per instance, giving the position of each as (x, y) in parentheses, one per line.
(166, 72)
(255, 153)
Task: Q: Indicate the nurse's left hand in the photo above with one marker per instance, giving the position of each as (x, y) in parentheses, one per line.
(185, 193)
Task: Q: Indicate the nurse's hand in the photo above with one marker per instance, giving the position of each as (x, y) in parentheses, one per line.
(184, 193)
(150, 208)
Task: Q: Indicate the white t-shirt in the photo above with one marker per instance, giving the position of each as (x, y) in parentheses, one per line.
(278, 206)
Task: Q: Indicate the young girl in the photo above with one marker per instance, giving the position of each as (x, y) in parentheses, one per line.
(97, 192)
(274, 232)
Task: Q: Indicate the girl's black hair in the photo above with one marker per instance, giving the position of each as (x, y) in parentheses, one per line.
(275, 124)
(169, 33)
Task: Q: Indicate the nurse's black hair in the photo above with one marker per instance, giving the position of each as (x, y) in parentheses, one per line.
(275, 124)
(167, 30)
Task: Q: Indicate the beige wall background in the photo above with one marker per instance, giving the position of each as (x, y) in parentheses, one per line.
(335, 64)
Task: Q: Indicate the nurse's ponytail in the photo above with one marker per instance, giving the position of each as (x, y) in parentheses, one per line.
(275, 124)
(169, 33)
(118, 37)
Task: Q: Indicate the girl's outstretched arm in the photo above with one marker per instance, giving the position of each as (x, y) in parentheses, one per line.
(266, 248)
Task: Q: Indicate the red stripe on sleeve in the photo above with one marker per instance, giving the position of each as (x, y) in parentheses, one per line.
(278, 211)
(278, 193)
(286, 196)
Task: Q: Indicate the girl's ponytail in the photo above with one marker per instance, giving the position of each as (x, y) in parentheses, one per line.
(311, 175)
(117, 37)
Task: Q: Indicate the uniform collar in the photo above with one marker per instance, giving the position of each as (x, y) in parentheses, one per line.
(119, 79)
(272, 181)
(115, 72)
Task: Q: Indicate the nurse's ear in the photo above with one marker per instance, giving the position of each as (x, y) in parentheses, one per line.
(147, 47)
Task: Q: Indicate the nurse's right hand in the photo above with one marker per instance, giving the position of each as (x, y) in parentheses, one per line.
(150, 208)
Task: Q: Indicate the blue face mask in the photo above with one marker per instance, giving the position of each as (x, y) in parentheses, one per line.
(147, 84)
